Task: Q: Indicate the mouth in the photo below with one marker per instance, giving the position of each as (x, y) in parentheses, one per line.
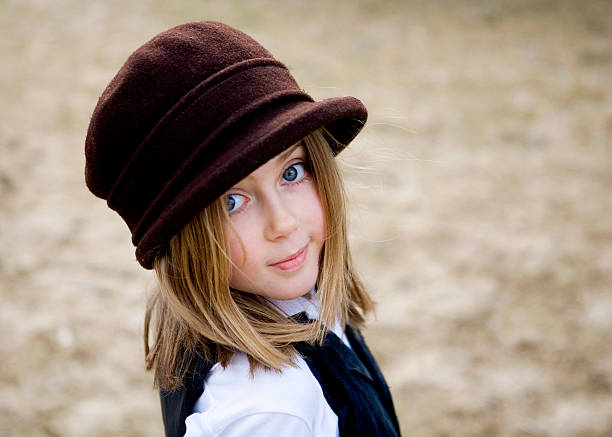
(293, 261)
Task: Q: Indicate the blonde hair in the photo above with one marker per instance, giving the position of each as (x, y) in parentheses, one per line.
(193, 312)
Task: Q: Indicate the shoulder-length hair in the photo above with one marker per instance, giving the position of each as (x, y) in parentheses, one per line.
(194, 312)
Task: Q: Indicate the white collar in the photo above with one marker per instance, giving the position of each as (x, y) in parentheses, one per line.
(309, 304)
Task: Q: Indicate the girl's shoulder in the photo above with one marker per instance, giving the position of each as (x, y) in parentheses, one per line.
(235, 398)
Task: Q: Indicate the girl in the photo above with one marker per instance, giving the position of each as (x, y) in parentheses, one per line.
(224, 171)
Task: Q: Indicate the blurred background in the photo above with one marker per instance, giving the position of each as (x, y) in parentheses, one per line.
(481, 213)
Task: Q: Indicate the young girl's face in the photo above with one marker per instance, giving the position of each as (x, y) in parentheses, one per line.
(277, 213)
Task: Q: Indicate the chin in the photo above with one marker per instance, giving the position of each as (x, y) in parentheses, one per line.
(291, 291)
(289, 296)
(282, 290)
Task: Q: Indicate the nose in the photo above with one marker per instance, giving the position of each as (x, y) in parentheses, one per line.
(281, 221)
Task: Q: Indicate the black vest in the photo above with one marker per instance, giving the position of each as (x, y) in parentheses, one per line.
(351, 381)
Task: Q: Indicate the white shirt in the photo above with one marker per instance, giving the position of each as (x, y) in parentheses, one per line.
(268, 404)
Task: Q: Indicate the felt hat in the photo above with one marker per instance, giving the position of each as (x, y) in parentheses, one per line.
(191, 113)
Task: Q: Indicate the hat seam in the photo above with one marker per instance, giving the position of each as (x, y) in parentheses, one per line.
(189, 99)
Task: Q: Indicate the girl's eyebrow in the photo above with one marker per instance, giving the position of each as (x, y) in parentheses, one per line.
(284, 155)
(280, 158)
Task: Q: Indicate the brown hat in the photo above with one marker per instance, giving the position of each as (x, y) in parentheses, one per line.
(190, 114)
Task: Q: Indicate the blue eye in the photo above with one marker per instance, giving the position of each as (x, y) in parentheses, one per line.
(294, 173)
(233, 202)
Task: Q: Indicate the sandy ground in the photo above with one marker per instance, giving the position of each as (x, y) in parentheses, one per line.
(481, 207)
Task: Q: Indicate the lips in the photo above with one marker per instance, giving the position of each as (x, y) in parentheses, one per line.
(293, 261)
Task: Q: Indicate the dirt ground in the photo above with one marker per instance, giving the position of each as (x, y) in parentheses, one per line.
(481, 209)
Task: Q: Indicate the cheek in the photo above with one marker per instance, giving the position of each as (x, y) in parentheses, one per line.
(237, 254)
(243, 255)
(320, 224)
(317, 215)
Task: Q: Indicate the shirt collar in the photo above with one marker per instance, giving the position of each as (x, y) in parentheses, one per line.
(308, 303)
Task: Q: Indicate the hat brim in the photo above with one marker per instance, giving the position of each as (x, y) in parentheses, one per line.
(268, 133)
